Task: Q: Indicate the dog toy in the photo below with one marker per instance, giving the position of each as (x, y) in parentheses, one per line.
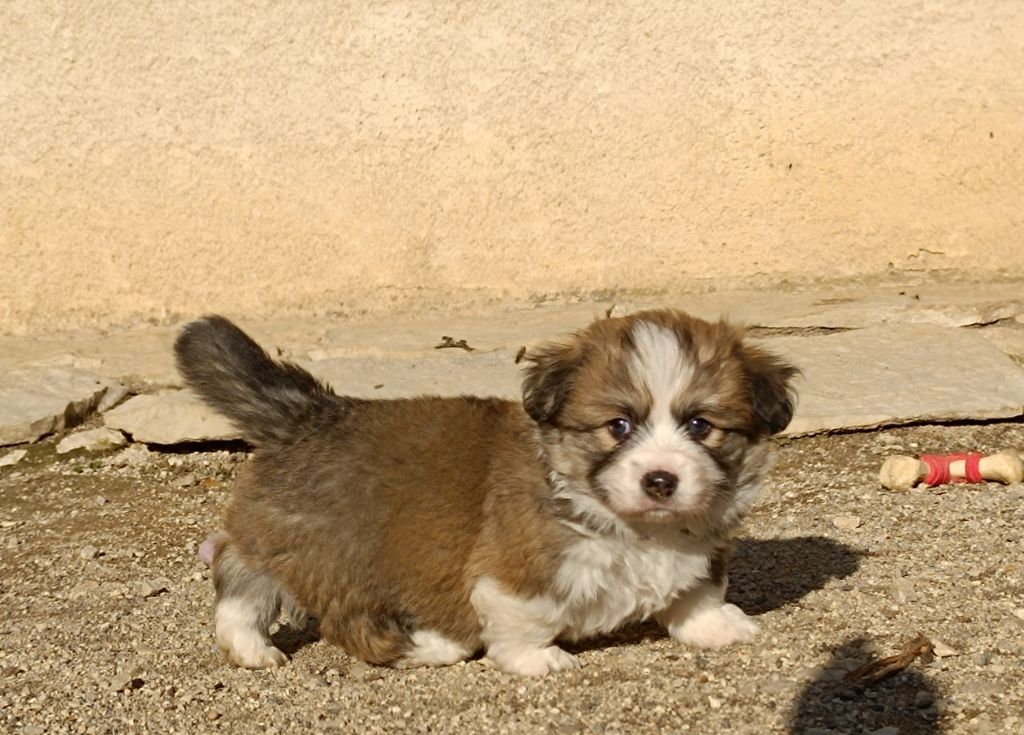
(903, 473)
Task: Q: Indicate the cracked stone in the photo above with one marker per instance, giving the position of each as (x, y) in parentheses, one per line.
(170, 417)
(38, 401)
(900, 373)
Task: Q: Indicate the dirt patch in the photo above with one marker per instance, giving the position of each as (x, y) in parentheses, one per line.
(107, 609)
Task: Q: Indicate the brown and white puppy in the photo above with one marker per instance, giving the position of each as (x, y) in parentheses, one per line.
(419, 531)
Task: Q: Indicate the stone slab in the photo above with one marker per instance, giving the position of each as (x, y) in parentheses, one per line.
(894, 374)
(140, 356)
(178, 416)
(1009, 339)
(856, 379)
(900, 373)
(413, 335)
(93, 440)
(448, 372)
(169, 417)
(37, 401)
(394, 355)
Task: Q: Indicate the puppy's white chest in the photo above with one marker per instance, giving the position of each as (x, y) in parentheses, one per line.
(606, 582)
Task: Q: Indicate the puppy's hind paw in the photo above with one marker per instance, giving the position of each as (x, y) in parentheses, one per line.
(254, 654)
(715, 627)
(533, 661)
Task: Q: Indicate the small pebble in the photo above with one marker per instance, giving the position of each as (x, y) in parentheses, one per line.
(128, 679)
(987, 687)
(364, 671)
(149, 588)
(846, 523)
(89, 552)
(943, 650)
(923, 698)
(903, 591)
(185, 480)
(12, 458)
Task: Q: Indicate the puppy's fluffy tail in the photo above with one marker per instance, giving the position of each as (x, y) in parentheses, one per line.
(270, 402)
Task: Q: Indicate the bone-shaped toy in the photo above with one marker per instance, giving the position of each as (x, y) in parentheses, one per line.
(903, 473)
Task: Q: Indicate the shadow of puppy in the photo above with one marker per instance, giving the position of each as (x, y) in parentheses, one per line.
(904, 702)
(766, 574)
(291, 639)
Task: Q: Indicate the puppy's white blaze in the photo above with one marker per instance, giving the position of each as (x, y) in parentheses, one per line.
(659, 364)
(518, 632)
(430, 648)
(610, 581)
(241, 639)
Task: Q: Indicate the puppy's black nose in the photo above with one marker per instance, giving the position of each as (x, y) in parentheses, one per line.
(659, 484)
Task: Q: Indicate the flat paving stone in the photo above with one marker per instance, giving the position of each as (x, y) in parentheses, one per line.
(897, 374)
(885, 355)
(1008, 339)
(448, 373)
(37, 401)
(864, 378)
(141, 356)
(169, 417)
(857, 379)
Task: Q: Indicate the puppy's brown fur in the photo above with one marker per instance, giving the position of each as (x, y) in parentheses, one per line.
(381, 518)
(376, 559)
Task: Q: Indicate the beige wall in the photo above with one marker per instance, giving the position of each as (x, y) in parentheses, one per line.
(170, 157)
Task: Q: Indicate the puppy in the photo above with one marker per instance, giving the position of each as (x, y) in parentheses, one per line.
(419, 531)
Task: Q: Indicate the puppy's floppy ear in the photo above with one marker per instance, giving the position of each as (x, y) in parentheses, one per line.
(770, 383)
(549, 378)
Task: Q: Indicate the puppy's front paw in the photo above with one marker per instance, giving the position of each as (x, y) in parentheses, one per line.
(715, 627)
(532, 661)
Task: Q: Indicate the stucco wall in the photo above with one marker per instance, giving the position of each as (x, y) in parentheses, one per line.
(172, 157)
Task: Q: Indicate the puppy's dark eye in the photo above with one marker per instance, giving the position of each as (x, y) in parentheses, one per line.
(698, 428)
(620, 428)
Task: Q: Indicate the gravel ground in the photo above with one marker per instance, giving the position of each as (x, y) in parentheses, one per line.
(106, 612)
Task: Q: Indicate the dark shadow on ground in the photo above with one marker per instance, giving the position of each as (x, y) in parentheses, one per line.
(766, 574)
(905, 700)
(291, 639)
(629, 635)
